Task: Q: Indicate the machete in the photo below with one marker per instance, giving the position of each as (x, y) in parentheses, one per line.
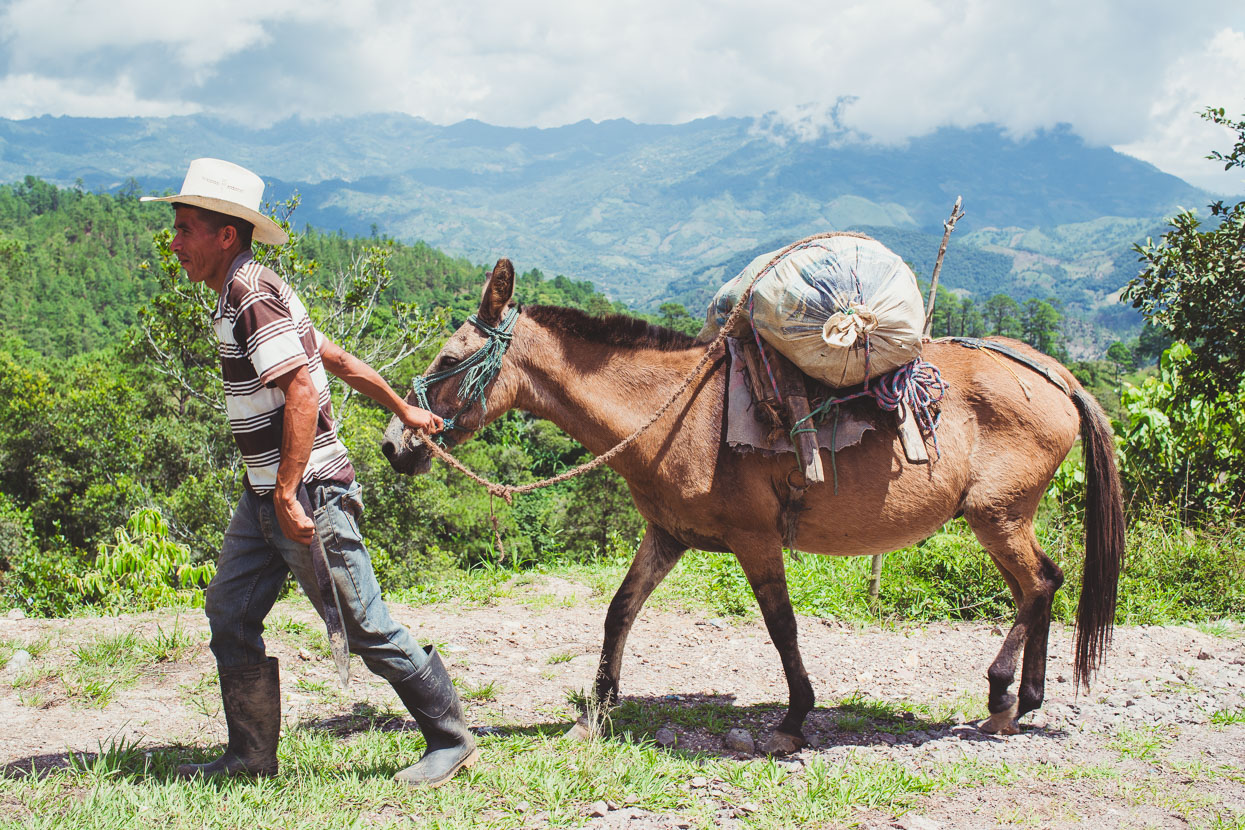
(328, 596)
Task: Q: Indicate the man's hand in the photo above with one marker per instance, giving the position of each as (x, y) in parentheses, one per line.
(420, 420)
(295, 523)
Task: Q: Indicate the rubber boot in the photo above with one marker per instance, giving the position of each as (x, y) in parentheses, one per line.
(433, 701)
(252, 701)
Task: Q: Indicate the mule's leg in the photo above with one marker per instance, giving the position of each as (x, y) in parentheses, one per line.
(762, 565)
(657, 554)
(1033, 578)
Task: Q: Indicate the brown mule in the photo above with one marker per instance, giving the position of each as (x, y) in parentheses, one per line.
(1004, 432)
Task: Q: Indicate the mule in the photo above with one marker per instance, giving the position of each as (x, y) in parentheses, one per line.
(1004, 431)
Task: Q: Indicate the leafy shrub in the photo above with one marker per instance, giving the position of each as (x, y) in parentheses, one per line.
(144, 568)
(30, 579)
(1184, 448)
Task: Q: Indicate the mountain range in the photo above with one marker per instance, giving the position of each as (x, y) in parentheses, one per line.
(652, 213)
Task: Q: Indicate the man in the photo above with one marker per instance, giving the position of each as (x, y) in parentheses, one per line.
(273, 362)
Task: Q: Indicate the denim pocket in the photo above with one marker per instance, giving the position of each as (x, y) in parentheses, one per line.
(337, 519)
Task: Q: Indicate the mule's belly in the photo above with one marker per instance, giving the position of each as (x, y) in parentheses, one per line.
(881, 502)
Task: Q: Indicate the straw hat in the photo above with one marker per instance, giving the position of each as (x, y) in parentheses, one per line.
(226, 188)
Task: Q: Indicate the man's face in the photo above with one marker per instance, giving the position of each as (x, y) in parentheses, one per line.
(200, 247)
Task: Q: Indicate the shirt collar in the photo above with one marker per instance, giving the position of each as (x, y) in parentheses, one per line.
(238, 262)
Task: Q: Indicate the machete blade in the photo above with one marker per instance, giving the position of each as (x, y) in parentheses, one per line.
(328, 597)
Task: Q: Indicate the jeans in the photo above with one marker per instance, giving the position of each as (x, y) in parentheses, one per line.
(255, 559)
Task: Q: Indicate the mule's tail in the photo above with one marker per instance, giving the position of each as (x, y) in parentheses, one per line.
(1104, 539)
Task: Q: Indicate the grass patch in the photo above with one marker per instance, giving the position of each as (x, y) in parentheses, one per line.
(300, 635)
(561, 657)
(523, 778)
(169, 646)
(477, 588)
(482, 692)
(1172, 574)
(1143, 744)
(1228, 717)
(103, 666)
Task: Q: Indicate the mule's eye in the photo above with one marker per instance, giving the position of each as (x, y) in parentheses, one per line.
(448, 362)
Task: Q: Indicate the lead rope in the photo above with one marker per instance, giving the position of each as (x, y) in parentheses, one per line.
(508, 491)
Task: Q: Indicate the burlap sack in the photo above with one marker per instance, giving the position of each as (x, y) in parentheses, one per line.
(841, 308)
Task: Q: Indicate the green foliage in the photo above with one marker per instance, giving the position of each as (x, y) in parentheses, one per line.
(30, 579)
(1183, 448)
(1193, 281)
(1173, 574)
(144, 568)
(69, 280)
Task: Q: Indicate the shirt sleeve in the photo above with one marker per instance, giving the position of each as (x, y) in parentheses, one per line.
(265, 330)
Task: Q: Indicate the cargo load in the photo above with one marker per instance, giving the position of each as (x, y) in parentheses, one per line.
(842, 307)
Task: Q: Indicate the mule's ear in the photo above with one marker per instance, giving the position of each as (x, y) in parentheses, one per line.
(498, 289)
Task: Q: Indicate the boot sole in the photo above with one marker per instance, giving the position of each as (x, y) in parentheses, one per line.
(466, 762)
(432, 785)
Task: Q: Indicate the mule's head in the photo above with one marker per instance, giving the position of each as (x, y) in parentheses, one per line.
(411, 457)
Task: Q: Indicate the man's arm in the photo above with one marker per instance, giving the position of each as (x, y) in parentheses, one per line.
(363, 378)
(299, 433)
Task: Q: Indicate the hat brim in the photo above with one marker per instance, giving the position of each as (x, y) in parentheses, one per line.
(266, 230)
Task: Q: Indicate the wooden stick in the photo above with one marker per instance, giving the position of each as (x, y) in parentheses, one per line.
(875, 580)
(947, 226)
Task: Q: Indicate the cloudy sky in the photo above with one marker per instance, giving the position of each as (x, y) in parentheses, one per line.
(1132, 74)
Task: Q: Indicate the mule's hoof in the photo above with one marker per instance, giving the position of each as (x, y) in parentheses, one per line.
(1003, 723)
(579, 731)
(781, 743)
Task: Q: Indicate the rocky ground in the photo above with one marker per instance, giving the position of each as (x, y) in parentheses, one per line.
(1159, 742)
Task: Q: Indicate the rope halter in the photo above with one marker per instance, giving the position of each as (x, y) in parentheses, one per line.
(479, 369)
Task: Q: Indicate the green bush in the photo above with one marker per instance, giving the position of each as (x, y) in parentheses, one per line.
(144, 569)
(1181, 447)
(33, 580)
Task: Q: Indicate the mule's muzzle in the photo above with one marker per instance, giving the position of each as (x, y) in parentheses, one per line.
(406, 454)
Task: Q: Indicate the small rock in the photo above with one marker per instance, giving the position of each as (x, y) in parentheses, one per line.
(739, 740)
(18, 662)
(666, 738)
(598, 809)
(699, 781)
(997, 631)
(887, 739)
(914, 822)
(1203, 654)
(522, 807)
(15, 614)
(749, 807)
(304, 654)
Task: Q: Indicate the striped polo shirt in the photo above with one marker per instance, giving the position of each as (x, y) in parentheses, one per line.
(264, 332)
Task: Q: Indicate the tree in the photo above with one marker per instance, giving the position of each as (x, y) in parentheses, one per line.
(1002, 315)
(1041, 327)
(1193, 280)
(675, 316)
(1121, 358)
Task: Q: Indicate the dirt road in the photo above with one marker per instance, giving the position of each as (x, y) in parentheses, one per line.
(1160, 741)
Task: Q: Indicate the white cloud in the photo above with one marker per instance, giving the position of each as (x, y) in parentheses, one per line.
(1130, 73)
(1177, 141)
(28, 96)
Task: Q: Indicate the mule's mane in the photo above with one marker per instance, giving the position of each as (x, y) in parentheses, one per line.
(610, 330)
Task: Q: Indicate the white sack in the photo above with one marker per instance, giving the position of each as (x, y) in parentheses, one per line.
(827, 303)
